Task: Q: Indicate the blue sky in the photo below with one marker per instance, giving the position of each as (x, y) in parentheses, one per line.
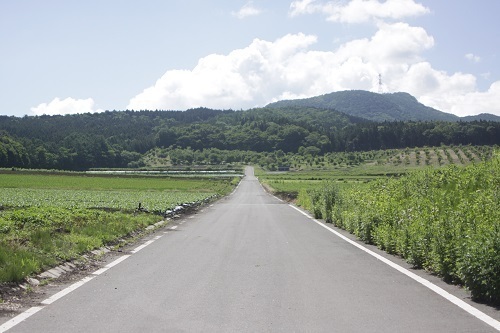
(60, 56)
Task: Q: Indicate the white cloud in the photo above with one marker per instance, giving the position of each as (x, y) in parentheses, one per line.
(247, 10)
(359, 11)
(303, 7)
(472, 57)
(244, 78)
(479, 102)
(289, 68)
(471, 102)
(392, 44)
(65, 106)
(486, 75)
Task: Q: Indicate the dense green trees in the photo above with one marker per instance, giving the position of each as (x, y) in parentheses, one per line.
(120, 138)
(12, 152)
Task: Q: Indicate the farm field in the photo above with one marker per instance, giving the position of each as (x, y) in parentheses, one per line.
(360, 167)
(119, 193)
(394, 160)
(46, 219)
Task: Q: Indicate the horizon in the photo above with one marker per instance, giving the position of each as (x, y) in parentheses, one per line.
(250, 109)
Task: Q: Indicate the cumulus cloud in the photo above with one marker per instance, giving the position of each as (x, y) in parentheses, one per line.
(247, 10)
(479, 102)
(245, 77)
(470, 102)
(290, 68)
(472, 57)
(65, 106)
(359, 11)
(397, 43)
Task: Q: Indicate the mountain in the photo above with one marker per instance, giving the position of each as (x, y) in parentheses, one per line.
(482, 116)
(398, 106)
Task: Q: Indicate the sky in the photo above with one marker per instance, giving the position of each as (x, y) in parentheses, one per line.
(64, 56)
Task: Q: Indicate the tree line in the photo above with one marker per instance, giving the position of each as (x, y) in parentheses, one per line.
(118, 139)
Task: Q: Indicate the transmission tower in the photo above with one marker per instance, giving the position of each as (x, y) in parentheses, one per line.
(380, 88)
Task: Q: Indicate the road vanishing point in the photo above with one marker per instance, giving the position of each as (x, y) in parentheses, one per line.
(253, 263)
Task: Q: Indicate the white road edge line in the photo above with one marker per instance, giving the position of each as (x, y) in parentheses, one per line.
(66, 291)
(117, 261)
(19, 318)
(140, 247)
(111, 264)
(441, 292)
(31, 311)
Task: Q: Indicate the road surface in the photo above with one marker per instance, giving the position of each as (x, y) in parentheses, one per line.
(250, 263)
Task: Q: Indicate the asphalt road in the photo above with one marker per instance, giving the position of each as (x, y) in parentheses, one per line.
(251, 263)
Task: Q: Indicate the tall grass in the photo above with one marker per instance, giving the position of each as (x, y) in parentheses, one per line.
(32, 239)
(444, 220)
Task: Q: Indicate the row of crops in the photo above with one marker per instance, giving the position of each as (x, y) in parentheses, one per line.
(47, 219)
(445, 220)
(409, 157)
(154, 201)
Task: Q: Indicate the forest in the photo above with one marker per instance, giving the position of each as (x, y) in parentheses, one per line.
(120, 139)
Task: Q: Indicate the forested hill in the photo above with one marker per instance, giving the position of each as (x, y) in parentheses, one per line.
(117, 139)
(482, 116)
(378, 107)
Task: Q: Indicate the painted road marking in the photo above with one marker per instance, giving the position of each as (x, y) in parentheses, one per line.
(19, 318)
(111, 264)
(31, 311)
(441, 292)
(66, 291)
(117, 261)
(100, 271)
(140, 247)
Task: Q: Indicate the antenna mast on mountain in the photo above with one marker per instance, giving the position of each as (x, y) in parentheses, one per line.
(380, 90)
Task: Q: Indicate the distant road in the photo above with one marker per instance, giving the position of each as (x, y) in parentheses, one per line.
(250, 263)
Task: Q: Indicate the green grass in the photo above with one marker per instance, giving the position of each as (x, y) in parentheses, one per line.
(83, 182)
(47, 219)
(290, 183)
(33, 239)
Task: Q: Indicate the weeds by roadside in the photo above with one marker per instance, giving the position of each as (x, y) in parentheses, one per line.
(444, 220)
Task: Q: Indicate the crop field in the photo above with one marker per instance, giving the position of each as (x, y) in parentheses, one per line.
(290, 183)
(401, 159)
(355, 167)
(154, 193)
(46, 219)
